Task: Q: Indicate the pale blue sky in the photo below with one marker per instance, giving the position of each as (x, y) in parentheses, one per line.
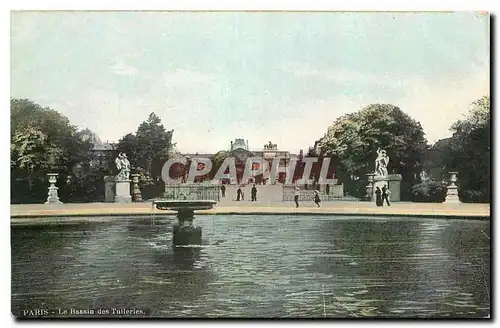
(213, 77)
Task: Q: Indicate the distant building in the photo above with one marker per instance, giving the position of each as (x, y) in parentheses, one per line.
(240, 150)
(102, 156)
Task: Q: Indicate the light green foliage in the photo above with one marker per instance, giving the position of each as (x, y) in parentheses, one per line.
(42, 141)
(354, 138)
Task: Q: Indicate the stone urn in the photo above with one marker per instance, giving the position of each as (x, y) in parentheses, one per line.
(53, 197)
(452, 190)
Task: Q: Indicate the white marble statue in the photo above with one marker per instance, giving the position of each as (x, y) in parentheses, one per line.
(381, 163)
(123, 166)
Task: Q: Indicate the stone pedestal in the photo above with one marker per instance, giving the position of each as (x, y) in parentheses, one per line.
(122, 189)
(395, 187)
(109, 189)
(53, 197)
(392, 181)
(184, 232)
(452, 190)
(136, 191)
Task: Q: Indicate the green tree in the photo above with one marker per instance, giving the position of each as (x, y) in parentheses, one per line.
(217, 161)
(42, 141)
(354, 138)
(470, 151)
(147, 151)
(128, 145)
(153, 145)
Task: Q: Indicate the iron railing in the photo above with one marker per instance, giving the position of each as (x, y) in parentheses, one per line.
(192, 192)
(308, 194)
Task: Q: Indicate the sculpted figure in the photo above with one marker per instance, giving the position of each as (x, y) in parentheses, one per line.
(123, 166)
(381, 163)
(118, 163)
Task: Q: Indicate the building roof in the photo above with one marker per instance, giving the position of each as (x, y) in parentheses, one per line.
(239, 143)
(202, 155)
(441, 144)
(104, 147)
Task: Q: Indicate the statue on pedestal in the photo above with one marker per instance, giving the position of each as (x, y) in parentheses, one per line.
(122, 180)
(381, 163)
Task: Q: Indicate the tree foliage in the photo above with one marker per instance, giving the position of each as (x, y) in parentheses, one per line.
(429, 192)
(217, 161)
(148, 149)
(354, 138)
(42, 141)
(128, 145)
(470, 152)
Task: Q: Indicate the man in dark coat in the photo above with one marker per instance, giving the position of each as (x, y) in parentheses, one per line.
(254, 193)
(238, 194)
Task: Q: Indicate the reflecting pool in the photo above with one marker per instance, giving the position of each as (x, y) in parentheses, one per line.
(257, 266)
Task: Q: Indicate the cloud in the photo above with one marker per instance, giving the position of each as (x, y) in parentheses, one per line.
(121, 68)
(435, 100)
(25, 26)
(107, 113)
(185, 77)
(299, 132)
(345, 77)
(438, 103)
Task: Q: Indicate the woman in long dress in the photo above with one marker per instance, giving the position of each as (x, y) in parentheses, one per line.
(378, 197)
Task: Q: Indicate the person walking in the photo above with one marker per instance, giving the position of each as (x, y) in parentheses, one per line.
(327, 189)
(238, 194)
(296, 196)
(317, 199)
(378, 197)
(254, 193)
(385, 195)
(223, 190)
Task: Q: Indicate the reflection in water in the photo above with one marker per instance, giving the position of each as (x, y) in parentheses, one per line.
(253, 266)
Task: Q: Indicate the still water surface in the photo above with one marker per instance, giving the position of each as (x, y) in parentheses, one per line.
(258, 266)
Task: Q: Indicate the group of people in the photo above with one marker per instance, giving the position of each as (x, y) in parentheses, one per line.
(240, 195)
(382, 195)
(296, 196)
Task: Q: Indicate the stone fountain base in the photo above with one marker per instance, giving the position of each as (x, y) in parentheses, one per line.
(184, 232)
(184, 236)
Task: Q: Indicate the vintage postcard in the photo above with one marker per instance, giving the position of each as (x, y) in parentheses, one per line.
(258, 164)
